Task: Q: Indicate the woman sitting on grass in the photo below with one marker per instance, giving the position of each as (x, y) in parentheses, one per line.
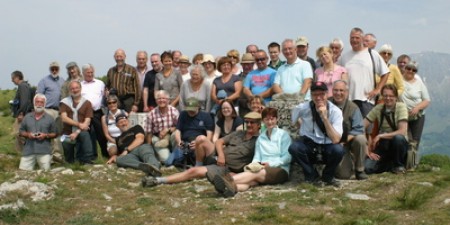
(270, 164)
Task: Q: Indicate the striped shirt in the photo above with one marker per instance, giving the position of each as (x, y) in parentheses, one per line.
(156, 122)
(126, 82)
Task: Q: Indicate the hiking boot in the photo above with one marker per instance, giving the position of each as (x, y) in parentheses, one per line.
(149, 170)
(212, 172)
(333, 182)
(149, 181)
(361, 175)
(225, 185)
(399, 170)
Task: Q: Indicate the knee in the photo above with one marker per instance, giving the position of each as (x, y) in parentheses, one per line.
(337, 150)
(200, 139)
(360, 140)
(296, 148)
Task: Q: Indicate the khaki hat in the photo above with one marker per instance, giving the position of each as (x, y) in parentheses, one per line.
(184, 59)
(253, 115)
(192, 104)
(247, 58)
(54, 64)
(208, 58)
(301, 41)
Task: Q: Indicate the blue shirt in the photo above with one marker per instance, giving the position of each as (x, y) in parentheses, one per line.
(191, 127)
(310, 128)
(290, 77)
(258, 81)
(274, 150)
(51, 88)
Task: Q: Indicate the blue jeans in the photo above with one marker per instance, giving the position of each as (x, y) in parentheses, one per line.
(392, 154)
(83, 146)
(303, 153)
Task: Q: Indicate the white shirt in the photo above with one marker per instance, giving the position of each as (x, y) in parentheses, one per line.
(94, 92)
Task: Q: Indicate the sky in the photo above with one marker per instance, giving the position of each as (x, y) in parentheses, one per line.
(35, 33)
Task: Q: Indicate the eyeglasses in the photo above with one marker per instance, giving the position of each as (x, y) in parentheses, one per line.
(112, 102)
(410, 69)
(260, 59)
(232, 56)
(250, 122)
(386, 53)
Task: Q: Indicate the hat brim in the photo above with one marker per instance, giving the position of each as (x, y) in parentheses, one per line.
(191, 108)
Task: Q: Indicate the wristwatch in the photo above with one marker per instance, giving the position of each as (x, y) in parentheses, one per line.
(126, 149)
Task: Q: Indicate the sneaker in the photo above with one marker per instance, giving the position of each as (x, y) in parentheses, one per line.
(333, 182)
(361, 175)
(149, 181)
(225, 185)
(149, 170)
(399, 170)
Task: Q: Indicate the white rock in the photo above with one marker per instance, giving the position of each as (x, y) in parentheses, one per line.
(57, 169)
(233, 220)
(15, 206)
(426, 184)
(175, 204)
(134, 184)
(108, 209)
(107, 197)
(67, 172)
(282, 205)
(447, 201)
(357, 196)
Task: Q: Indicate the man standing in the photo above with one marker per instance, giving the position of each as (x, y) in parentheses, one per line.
(141, 67)
(362, 65)
(234, 152)
(260, 81)
(247, 63)
(321, 131)
(370, 41)
(50, 86)
(93, 90)
(161, 124)
(353, 138)
(294, 74)
(176, 59)
(38, 128)
(132, 150)
(252, 49)
(302, 51)
(76, 114)
(274, 54)
(124, 79)
(21, 106)
(149, 83)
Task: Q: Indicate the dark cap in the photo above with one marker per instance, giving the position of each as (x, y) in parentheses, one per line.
(192, 104)
(319, 85)
(121, 116)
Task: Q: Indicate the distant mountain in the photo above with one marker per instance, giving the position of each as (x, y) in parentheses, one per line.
(434, 68)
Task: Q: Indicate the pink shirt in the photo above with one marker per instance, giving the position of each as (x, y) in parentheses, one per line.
(330, 77)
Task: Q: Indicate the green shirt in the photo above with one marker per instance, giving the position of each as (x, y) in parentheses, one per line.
(401, 113)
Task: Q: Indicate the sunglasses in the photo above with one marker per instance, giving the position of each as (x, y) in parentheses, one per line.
(234, 57)
(385, 53)
(113, 102)
(410, 69)
(54, 69)
(260, 59)
(250, 122)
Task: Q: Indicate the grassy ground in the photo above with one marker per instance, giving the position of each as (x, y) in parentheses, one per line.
(102, 194)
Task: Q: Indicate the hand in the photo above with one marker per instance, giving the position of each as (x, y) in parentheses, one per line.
(20, 118)
(124, 153)
(414, 111)
(323, 112)
(373, 94)
(41, 136)
(373, 156)
(221, 160)
(83, 126)
(163, 133)
(192, 145)
(73, 135)
(146, 109)
(112, 159)
(134, 108)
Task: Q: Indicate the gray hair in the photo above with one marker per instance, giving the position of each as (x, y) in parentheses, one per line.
(372, 36)
(142, 51)
(162, 92)
(200, 68)
(337, 41)
(288, 40)
(39, 95)
(87, 66)
(341, 81)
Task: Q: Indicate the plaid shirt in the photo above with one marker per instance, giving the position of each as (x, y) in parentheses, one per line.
(156, 121)
(126, 82)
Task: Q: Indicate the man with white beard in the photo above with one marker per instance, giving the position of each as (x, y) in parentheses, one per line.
(38, 128)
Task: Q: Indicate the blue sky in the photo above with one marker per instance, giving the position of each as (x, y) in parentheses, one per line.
(34, 33)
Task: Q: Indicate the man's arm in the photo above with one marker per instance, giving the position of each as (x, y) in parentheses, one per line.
(138, 140)
(277, 89)
(305, 86)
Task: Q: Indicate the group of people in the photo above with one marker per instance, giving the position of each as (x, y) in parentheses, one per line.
(356, 105)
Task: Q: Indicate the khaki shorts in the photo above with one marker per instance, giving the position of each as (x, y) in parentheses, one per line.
(28, 162)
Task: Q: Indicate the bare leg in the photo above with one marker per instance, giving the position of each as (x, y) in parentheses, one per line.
(245, 180)
(203, 148)
(192, 173)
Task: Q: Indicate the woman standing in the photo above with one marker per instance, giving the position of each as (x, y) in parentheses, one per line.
(395, 76)
(196, 87)
(73, 72)
(234, 56)
(169, 79)
(417, 99)
(110, 129)
(270, 164)
(330, 71)
(228, 86)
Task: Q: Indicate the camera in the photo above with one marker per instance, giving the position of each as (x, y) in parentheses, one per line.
(318, 151)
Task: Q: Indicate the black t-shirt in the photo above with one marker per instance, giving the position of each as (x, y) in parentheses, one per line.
(149, 82)
(127, 137)
(236, 122)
